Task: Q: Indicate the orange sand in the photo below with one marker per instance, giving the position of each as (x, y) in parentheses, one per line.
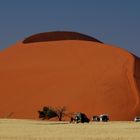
(85, 76)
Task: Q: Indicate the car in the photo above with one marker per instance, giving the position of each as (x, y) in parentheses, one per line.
(104, 118)
(137, 119)
(81, 118)
(96, 118)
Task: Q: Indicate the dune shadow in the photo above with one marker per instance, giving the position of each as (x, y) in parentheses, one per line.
(58, 35)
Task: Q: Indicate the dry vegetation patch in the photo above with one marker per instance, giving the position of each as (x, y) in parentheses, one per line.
(12, 129)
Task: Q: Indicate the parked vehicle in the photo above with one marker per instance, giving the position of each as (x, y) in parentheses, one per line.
(137, 119)
(104, 118)
(101, 118)
(81, 118)
(96, 118)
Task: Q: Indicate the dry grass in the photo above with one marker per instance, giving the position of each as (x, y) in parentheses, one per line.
(43, 130)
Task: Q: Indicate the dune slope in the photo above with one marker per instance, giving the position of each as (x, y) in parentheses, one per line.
(84, 76)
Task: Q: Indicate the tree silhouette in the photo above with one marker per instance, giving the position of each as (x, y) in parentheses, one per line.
(49, 112)
(61, 112)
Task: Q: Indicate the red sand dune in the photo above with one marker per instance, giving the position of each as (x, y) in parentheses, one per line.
(82, 75)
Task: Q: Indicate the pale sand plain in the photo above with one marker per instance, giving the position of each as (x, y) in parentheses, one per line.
(14, 129)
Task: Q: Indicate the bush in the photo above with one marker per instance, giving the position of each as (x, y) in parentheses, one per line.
(49, 112)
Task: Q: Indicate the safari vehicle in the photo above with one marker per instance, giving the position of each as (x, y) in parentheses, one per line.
(104, 118)
(101, 118)
(137, 119)
(96, 118)
(81, 118)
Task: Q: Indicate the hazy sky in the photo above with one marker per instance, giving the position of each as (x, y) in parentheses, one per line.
(114, 22)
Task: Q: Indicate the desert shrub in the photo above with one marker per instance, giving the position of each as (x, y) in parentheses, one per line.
(49, 112)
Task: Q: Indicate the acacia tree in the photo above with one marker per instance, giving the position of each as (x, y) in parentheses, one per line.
(61, 112)
(49, 112)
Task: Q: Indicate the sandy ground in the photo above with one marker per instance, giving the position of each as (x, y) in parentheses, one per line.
(12, 129)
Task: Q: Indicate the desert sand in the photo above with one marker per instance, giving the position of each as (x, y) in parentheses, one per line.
(14, 129)
(85, 76)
